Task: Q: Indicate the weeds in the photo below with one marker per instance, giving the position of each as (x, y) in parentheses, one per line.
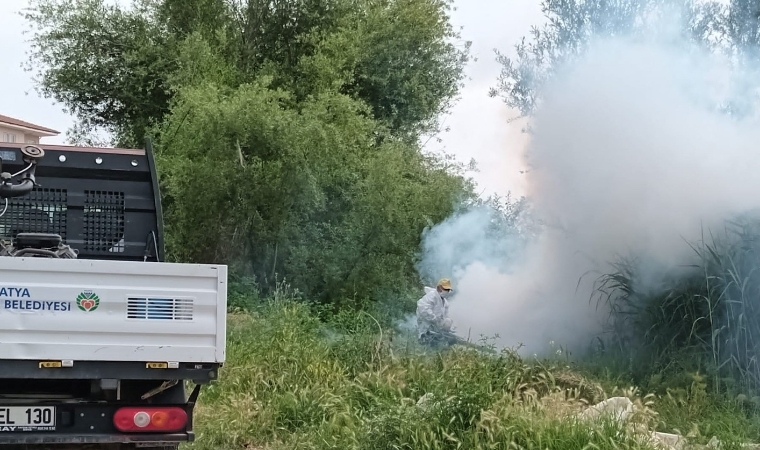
(297, 377)
(293, 381)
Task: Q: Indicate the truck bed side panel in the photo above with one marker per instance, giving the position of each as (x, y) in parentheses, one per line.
(90, 310)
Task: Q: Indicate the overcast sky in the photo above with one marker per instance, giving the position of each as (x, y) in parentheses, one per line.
(478, 128)
(478, 122)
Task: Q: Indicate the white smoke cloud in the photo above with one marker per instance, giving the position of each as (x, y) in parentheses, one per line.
(468, 237)
(629, 152)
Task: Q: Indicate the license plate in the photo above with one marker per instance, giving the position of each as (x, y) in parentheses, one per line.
(27, 418)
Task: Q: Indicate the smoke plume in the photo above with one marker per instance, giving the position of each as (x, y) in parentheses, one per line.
(630, 151)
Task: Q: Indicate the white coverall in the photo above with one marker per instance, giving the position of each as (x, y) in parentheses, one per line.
(432, 312)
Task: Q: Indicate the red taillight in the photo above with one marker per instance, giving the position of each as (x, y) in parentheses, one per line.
(146, 420)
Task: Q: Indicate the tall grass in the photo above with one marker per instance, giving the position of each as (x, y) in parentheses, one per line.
(293, 380)
(703, 316)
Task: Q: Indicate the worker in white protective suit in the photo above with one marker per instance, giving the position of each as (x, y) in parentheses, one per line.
(433, 312)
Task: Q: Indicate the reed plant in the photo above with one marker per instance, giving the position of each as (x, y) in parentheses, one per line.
(701, 316)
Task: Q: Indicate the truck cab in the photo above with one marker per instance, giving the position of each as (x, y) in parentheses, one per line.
(102, 342)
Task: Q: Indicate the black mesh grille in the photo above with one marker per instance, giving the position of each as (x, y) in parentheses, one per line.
(104, 221)
(41, 211)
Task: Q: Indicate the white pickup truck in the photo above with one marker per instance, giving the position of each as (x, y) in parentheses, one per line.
(102, 343)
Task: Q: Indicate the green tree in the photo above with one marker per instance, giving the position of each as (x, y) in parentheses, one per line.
(739, 38)
(106, 65)
(304, 193)
(286, 131)
(408, 64)
(110, 65)
(741, 25)
(569, 27)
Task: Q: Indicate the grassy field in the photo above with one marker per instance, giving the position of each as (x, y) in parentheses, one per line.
(293, 381)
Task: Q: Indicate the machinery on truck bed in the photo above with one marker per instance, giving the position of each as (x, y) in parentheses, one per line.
(102, 343)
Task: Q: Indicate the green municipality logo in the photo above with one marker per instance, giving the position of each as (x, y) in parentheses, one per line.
(88, 301)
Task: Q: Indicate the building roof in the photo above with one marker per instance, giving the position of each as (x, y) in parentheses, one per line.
(20, 123)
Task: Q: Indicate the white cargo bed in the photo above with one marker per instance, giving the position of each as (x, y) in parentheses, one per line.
(94, 310)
